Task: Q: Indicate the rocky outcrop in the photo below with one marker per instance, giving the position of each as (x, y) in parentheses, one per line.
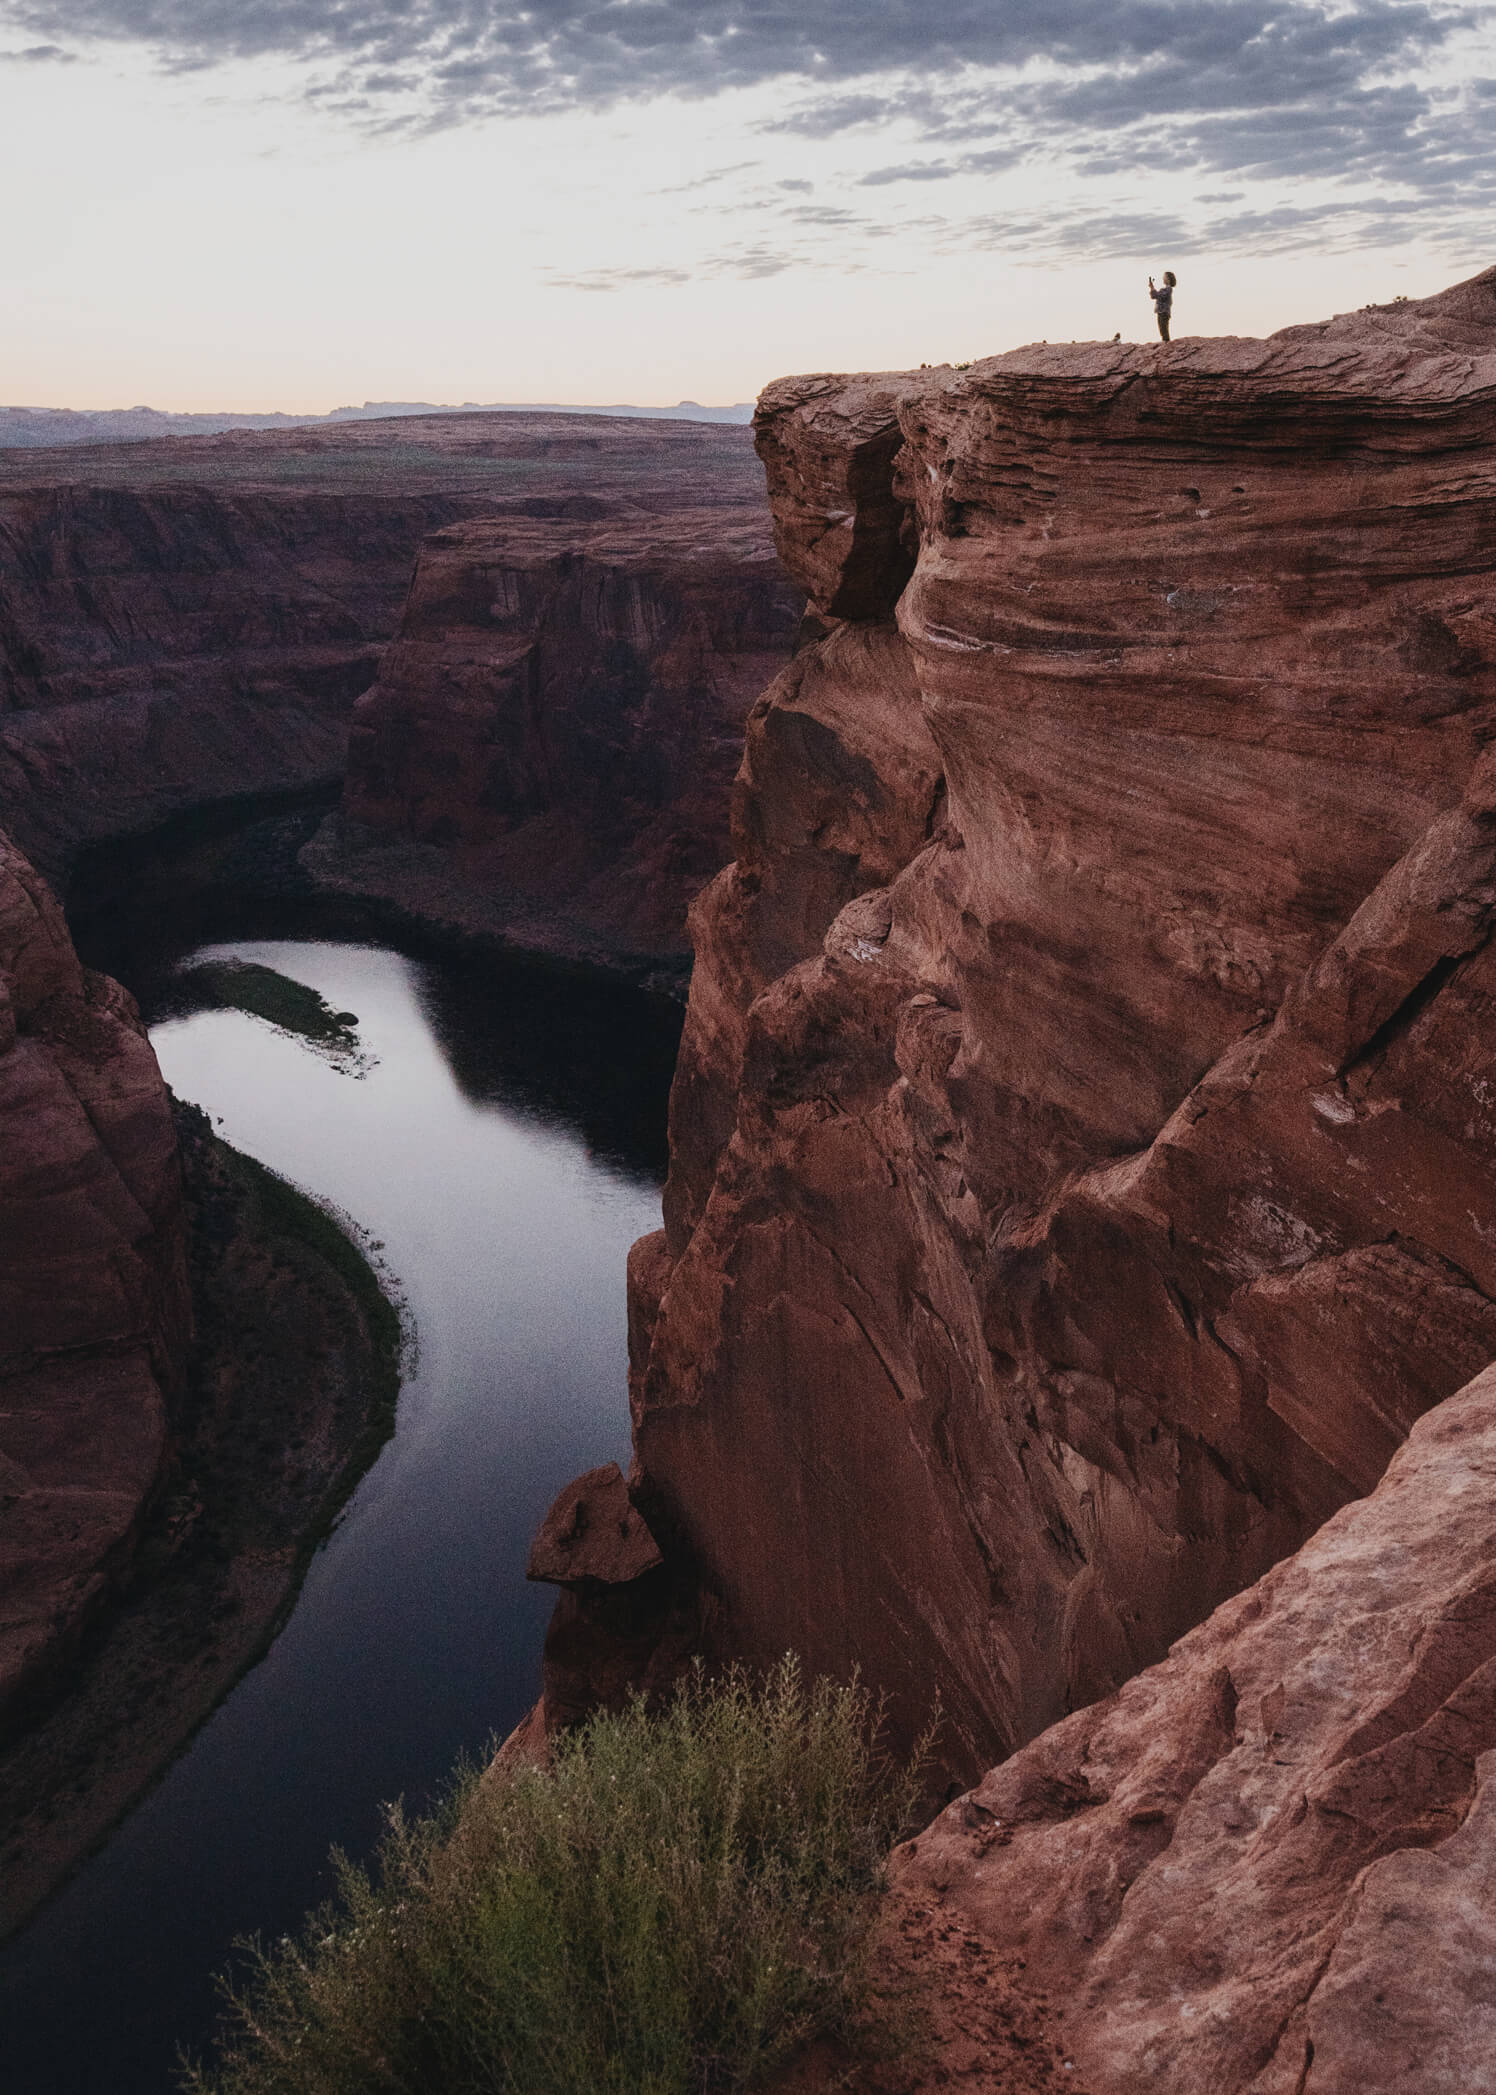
(1268, 1863)
(552, 739)
(1082, 1151)
(626, 1621)
(192, 619)
(94, 1310)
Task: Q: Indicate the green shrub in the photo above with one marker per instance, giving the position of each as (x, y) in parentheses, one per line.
(674, 1905)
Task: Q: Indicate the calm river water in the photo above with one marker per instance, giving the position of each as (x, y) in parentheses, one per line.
(504, 1145)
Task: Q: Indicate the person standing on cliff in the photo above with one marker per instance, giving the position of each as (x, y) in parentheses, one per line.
(1163, 301)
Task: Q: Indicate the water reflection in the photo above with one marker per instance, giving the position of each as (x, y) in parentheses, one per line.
(502, 1145)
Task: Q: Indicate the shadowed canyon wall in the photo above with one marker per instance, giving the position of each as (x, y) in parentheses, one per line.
(95, 1318)
(192, 619)
(561, 714)
(1083, 1139)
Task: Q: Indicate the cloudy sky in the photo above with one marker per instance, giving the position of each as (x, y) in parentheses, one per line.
(298, 203)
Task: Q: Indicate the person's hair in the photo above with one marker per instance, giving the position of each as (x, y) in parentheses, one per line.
(1169, 277)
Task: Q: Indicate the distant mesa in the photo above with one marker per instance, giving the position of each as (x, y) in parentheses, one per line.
(42, 427)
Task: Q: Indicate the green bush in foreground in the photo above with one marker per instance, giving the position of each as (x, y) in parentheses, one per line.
(672, 1906)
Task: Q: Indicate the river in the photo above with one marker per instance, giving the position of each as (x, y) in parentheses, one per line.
(501, 1138)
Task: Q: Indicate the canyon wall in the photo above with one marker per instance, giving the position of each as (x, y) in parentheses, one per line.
(95, 1318)
(1083, 1139)
(560, 716)
(191, 620)
(164, 647)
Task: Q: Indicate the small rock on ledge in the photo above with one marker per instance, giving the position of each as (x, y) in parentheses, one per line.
(593, 1535)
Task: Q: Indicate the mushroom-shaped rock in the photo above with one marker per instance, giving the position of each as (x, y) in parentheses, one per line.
(593, 1535)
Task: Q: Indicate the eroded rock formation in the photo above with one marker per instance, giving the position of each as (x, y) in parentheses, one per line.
(559, 719)
(191, 619)
(94, 1310)
(1268, 1863)
(1083, 1142)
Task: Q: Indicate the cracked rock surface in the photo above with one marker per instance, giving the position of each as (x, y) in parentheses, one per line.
(1268, 1862)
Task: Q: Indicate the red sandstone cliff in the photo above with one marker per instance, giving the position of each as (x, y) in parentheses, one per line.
(1084, 1140)
(94, 1310)
(560, 716)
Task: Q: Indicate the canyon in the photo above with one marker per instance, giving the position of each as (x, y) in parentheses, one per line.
(550, 746)
(189, 622)
(1076, 1296)
(195, 1368)
(185, 628)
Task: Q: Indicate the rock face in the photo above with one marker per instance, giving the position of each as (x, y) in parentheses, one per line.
(593, 1535)
(94, 1310)
(1269, 1862)
(192, 619)
(561, 714)
(625, 1622)
(1083, 1141)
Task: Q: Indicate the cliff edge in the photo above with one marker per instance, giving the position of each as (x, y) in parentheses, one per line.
(1083, 1138)
(1082, 1166)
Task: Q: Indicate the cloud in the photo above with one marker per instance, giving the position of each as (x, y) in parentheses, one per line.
(581, 53)
(992, 162)
(1345, 90)
(712, 177)
(618, 279)
(39, 54)
(750, 260)
(911, 171)
(1063, 236)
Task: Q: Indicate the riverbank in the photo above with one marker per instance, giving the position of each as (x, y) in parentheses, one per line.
(293, 1380)
(416, 891)
(280, 861)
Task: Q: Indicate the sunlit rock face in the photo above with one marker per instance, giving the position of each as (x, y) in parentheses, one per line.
(94, 1310)
(561, 712)
(1085, 1130)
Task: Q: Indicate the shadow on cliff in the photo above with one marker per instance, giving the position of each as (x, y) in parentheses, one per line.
(577, 1050)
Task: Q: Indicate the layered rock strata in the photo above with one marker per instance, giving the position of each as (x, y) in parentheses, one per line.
(1083, 1141)
(1268, 1863)
(192, 619)
(552, 739)
(95, 1316)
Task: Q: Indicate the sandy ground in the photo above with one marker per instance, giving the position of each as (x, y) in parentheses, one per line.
(957, 2018)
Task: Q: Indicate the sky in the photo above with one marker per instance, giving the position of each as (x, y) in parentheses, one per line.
(300, 204)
